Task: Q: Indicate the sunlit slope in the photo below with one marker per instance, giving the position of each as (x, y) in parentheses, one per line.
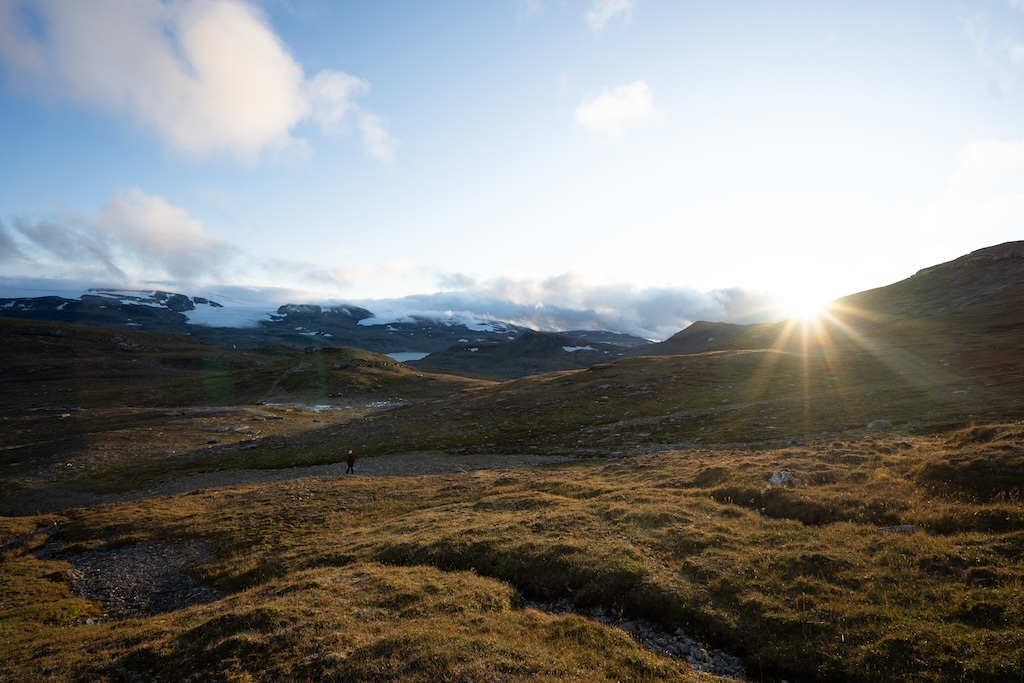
(799, 379)
(630, 406)
(635, 405)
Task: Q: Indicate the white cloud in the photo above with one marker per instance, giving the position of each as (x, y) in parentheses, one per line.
(603, 11)
(615, 109)
(210, 77)
(330, 94)
(133, 236)
(153, 231)
(75, 247)
(377, 140)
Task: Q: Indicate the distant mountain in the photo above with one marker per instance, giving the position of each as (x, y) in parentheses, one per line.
(983, 283)
(700, 336)
(247, 326)
(531, 353)
(229, 324)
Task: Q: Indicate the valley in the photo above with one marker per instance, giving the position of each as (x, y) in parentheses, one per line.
(835, 499)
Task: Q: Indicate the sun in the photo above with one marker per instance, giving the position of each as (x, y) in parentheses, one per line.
(805, 304)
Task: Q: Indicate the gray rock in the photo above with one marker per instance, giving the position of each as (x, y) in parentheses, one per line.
(783, 478)
(879, 425)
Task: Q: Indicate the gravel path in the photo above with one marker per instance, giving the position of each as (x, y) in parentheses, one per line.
(53, 498)
(394, 465)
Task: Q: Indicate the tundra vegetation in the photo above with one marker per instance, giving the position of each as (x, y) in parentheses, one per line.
(891, 554)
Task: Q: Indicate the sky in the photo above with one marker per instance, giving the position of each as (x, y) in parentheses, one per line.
(625, 164)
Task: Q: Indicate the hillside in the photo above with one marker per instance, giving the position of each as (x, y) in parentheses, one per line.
(699, 336)
(960, 284)
(833, 500)
(783, 383)
(71, 365)
(531, 353)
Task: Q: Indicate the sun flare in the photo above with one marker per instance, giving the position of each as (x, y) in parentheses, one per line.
(805, 305)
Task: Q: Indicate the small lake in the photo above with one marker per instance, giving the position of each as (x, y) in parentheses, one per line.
(407, 356)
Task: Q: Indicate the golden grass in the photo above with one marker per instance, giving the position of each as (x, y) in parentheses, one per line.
(423, 578)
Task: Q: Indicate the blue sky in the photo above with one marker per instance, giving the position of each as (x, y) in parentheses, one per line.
(636, 164)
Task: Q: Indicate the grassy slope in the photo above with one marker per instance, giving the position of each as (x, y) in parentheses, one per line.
(101, 409)
(55, 364)
(417, 578)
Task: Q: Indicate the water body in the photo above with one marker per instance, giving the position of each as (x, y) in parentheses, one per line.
(406, 356)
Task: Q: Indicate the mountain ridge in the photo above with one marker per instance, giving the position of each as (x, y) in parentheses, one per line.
(492, 348)
(291, 324)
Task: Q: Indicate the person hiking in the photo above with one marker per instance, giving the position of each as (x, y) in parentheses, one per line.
(351, 460)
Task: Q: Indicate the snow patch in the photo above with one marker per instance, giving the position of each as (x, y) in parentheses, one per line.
(230, 314)
(393, 312)
(571, 349)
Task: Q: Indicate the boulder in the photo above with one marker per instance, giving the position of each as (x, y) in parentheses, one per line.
(879, 425)
(783, 478)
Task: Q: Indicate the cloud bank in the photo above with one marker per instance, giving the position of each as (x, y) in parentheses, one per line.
(209, 77)
(137, 238)
(178, 254)
(566, 302)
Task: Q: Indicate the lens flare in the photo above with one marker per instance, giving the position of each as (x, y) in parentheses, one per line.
(805, 305)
